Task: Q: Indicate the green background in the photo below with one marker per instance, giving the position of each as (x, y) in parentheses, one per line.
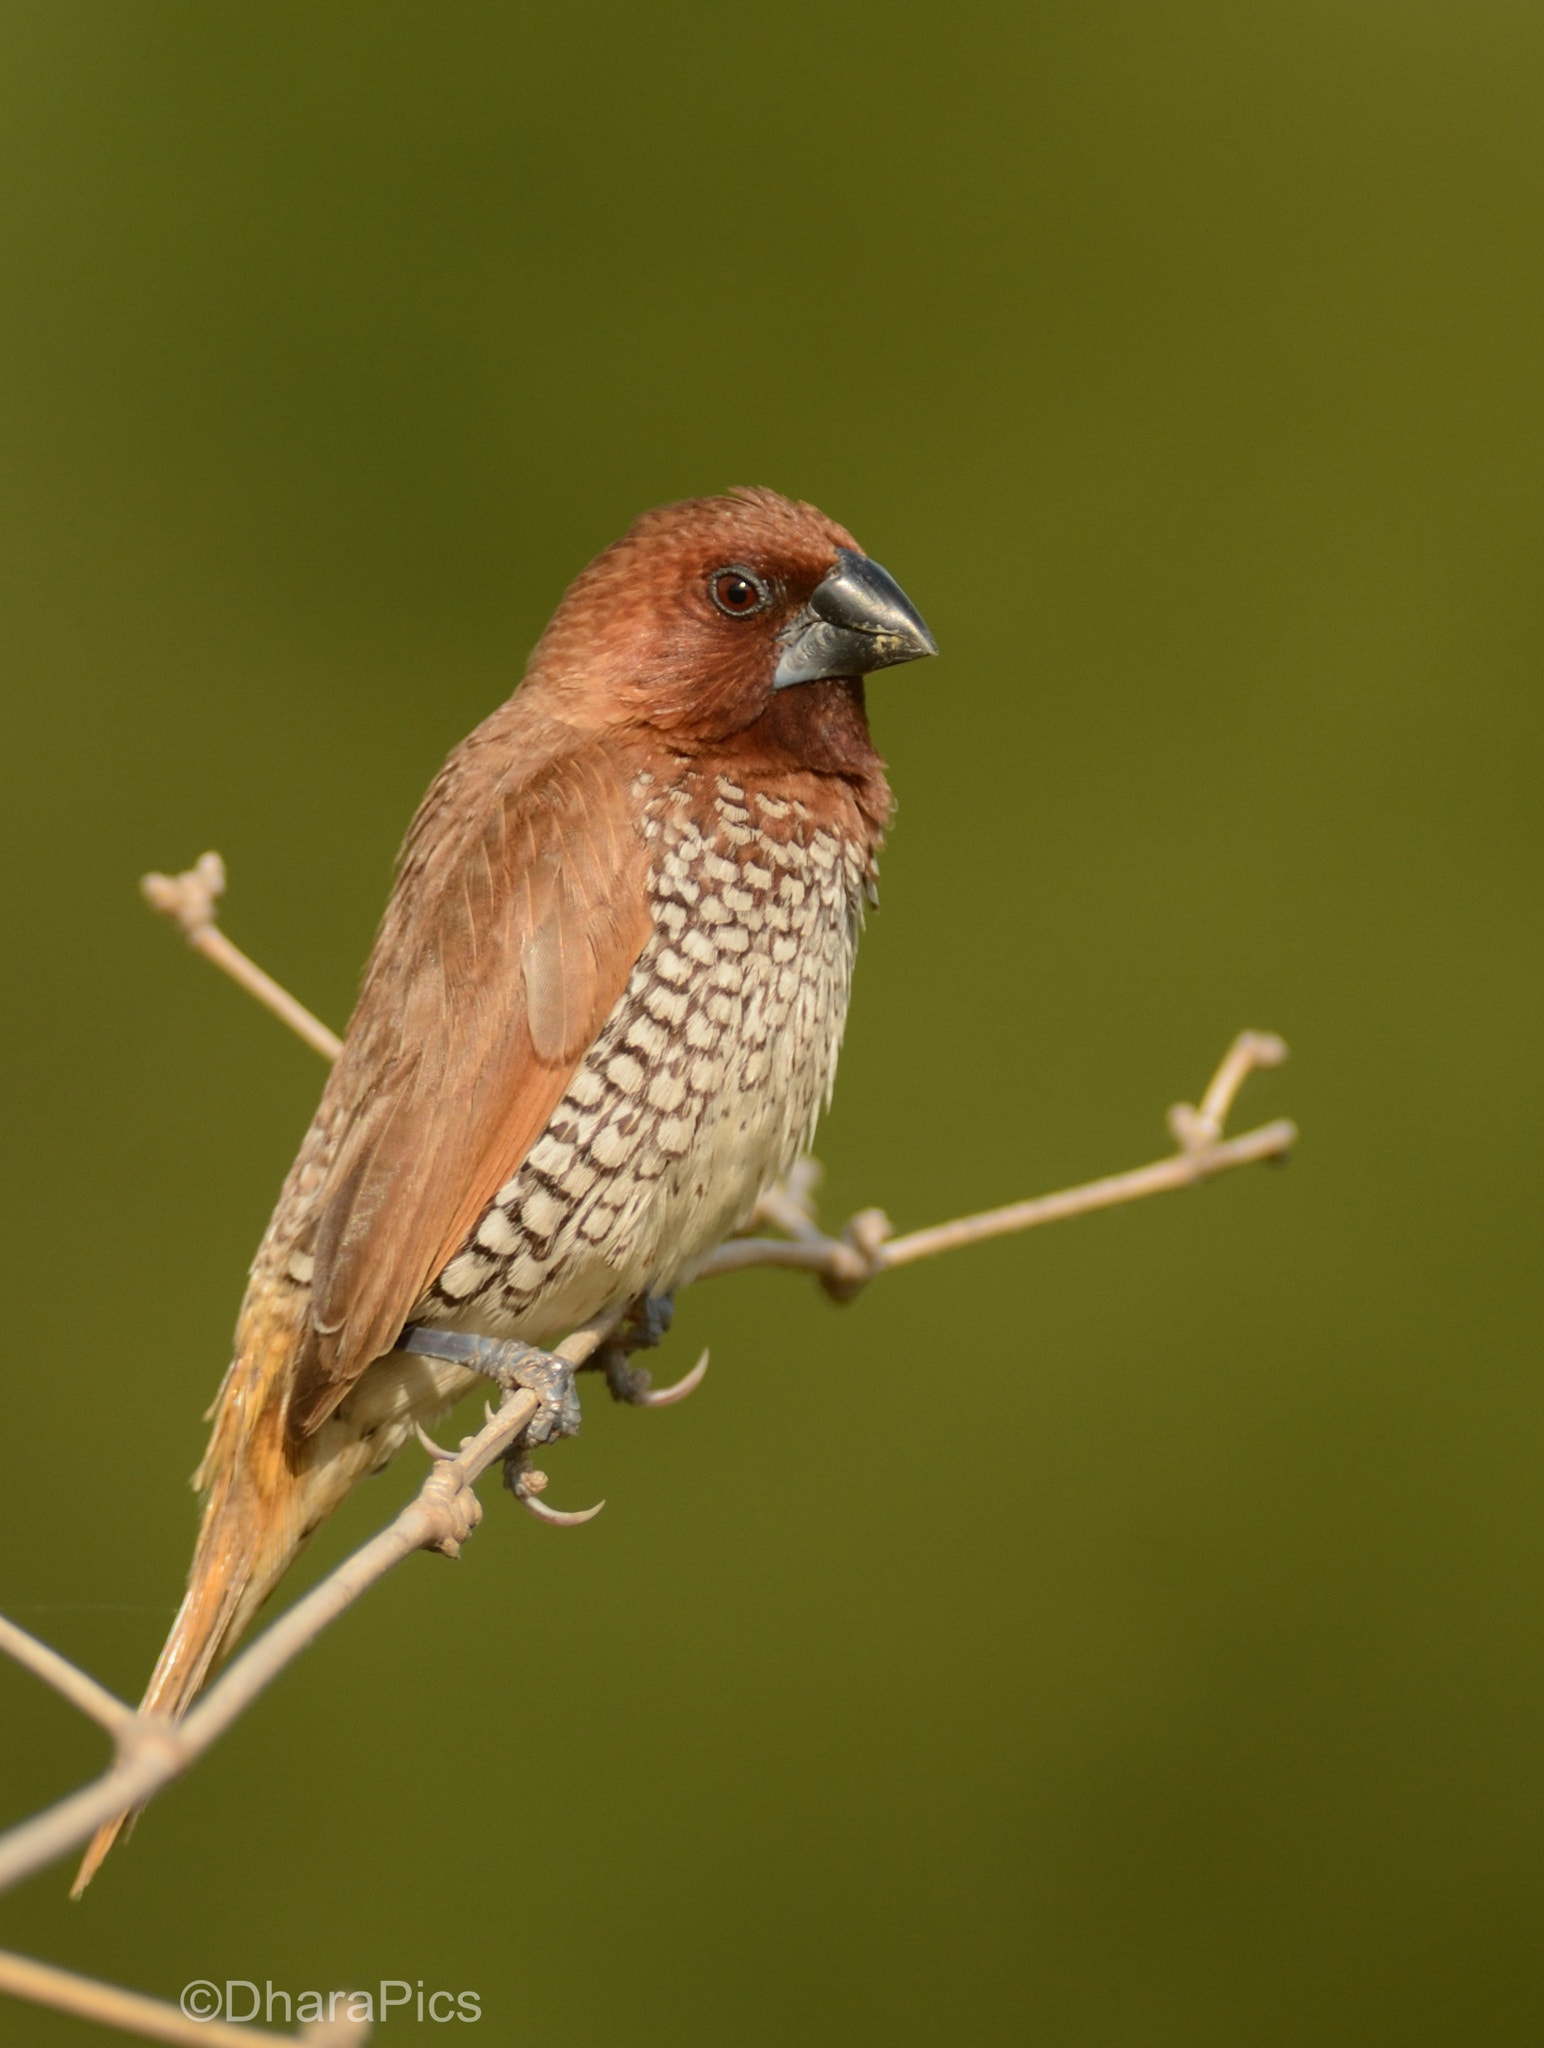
(1129, 1634)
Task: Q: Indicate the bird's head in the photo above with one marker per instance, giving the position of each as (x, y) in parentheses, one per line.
(743, 622)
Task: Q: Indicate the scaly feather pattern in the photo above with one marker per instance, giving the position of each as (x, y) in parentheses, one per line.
(601, 1014)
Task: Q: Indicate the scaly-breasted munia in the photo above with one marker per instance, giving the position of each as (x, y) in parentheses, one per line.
(600, 1018)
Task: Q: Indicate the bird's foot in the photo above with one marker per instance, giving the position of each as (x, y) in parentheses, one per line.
(642, 1329)
(516, 1368)
(551, 1380)
(513, 1366)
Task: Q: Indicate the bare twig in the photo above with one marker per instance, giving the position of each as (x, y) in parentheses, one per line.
(132, 2013)
(1183, 1170)
(189, 901)
(81, 1691)
(152, 1749)
(866, 1248)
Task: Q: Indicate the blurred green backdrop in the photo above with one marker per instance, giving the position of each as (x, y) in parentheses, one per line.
(1130, 1634)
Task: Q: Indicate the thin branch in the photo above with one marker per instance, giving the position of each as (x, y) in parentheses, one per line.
(1182, 1170)
(189, 901)
(131, 2012)
(95, 1700)
(866, 1248)
(152, 1750)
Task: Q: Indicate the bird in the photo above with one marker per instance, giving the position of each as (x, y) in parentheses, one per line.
(600, 1018)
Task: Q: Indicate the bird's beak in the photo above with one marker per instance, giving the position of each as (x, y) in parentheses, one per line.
(859, 619)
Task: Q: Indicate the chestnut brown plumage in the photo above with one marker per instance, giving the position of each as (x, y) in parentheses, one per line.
(601, 1014)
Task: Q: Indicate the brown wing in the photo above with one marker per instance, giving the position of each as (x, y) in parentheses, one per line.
(518, 913)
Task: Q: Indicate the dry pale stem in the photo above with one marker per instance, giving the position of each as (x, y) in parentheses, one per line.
(189, 900)
(83, 1692)
(132, 2013)
(867, 1248)
(152, 1750)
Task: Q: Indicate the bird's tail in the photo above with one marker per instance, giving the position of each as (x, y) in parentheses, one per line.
(257, 1515)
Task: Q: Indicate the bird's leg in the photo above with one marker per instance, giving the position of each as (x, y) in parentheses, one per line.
(516, 1367)
(641, 1329)
(644, 1324)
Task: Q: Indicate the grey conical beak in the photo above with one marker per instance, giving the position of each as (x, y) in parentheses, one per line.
(859, 619)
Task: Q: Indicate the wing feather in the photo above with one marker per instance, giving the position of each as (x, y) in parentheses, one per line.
(519, 911)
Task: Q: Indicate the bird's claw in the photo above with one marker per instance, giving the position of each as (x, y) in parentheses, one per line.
(436, 1451)
(527, 1485)
(515, 1368)
(634, 1384)
(642, 1329)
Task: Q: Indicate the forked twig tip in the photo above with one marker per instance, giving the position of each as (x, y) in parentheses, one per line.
(187, 899)
(1266, 1048)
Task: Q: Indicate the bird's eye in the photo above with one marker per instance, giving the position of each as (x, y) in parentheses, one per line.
(738, 591)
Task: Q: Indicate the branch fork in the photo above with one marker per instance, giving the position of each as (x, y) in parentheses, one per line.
(151, 1750)
(1198, 1131)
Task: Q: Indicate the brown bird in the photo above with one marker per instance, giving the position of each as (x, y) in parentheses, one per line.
(601, 1016)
